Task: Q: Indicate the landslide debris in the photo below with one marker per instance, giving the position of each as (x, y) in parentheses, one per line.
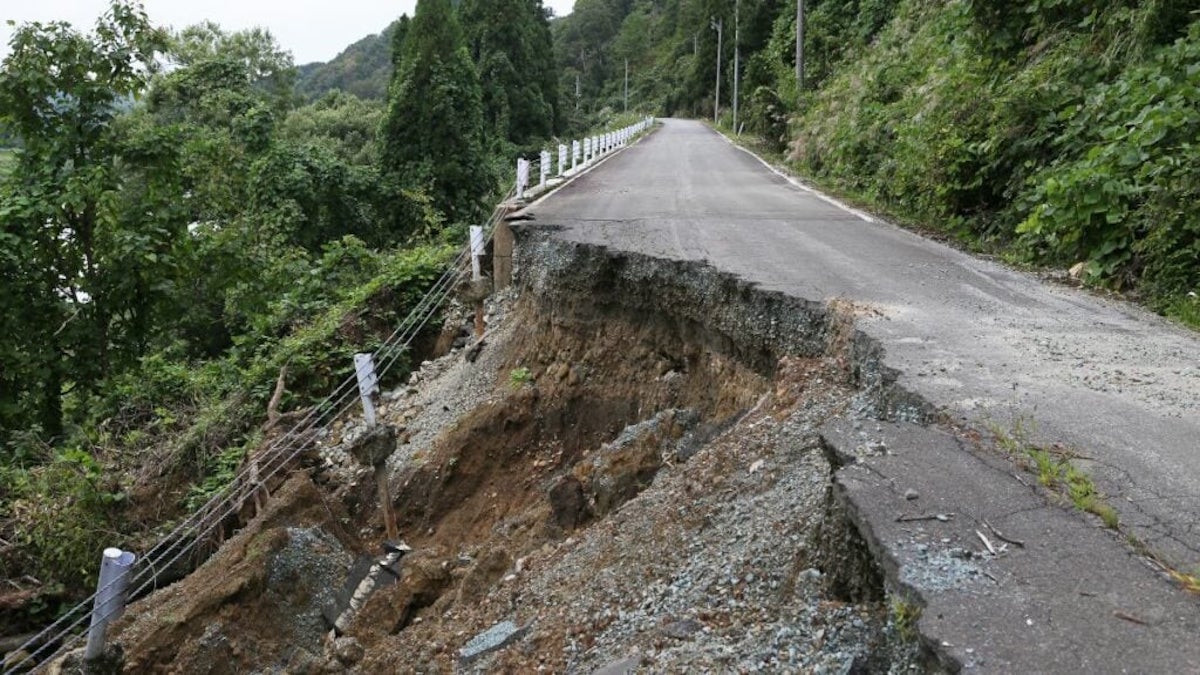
(626, 472)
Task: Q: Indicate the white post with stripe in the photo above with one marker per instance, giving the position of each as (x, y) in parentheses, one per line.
(115, 568)
(522, 177)
(368, 385)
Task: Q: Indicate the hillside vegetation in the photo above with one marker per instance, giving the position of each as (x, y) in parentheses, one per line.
(363, 69)
(1053, 131)
(177, 235)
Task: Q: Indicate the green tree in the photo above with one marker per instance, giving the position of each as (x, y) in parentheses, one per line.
(511, 45)
(267, 66)
(63, 229)
(340, 122)
(433, 133)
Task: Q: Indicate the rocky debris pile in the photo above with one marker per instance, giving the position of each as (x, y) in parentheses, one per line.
(714, 565)
(592, 486)
(257, 602)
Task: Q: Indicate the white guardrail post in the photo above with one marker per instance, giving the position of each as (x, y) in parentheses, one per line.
(115, 566)
(544, 166)
(575, 154)
(522, 177)
(478, 250)
(562, 159)
(368, 384)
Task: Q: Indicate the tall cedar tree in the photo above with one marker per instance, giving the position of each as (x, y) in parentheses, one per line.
(433, 133)
(511, 44)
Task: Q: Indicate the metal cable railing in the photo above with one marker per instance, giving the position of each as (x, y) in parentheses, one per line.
(195, 530)
(61, 635)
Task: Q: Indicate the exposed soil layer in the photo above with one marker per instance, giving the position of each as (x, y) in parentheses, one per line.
(628, 469)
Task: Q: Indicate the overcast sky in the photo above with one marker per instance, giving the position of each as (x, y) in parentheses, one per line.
(314, 30)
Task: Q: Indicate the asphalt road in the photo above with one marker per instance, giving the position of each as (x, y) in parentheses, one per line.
(984, 342)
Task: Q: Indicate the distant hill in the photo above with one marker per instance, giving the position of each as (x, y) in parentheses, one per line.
(363, 69)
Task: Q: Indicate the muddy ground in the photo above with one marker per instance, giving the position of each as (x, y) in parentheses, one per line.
(624, 475)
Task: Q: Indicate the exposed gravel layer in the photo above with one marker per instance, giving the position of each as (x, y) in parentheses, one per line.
(717, 566)
(711, 569)
(437, 396)
(707, 570)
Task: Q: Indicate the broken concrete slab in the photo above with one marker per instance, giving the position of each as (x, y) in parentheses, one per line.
(1074, 598)
(493, 639)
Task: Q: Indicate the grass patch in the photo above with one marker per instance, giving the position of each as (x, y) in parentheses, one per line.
(519, 377)
(905, 615)
(1185, 310)
(1055, 470)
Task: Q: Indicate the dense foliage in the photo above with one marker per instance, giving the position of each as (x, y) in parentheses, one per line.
(510, 43)
(433, 132)
(176, 230)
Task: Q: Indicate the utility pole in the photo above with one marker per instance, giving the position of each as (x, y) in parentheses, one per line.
(737, 21)
(799, 44)
(582, 65)
(626, 85)
(716, 25)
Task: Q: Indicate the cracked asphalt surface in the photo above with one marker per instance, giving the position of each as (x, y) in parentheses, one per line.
(987, 344)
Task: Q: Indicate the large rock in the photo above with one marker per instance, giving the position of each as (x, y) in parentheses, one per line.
(253, 601)
(493, 639)
(626, 466)
(569, 507)
(375, 446)
(423, 580)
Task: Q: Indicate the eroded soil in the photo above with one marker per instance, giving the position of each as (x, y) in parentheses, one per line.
(630, 484)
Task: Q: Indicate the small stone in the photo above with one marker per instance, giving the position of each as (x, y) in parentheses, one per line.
(348, 650)
(911, 494)
(681, 630)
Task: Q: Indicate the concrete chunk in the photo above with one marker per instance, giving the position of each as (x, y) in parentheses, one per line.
(493, 639)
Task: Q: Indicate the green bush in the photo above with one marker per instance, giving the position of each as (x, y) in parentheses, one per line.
(59, 516)
(1121, 195)
(1056, 130)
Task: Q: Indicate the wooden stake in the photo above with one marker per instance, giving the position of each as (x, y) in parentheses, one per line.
(385, 502)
